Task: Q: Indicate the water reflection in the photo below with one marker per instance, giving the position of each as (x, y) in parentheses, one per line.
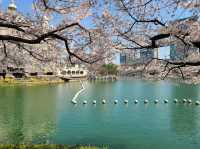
(25, 116)
(184, 117)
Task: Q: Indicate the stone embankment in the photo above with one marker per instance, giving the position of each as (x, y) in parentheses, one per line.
(191, 75)
(102, 78)
(29, 80)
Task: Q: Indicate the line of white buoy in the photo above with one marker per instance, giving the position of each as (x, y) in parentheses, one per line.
(78, 93)
(175, 100)
(166, 101)
(103, 101)
(184, 100)
(189, 101)
(126, 101)
(197, 102)
(85, 102)
(156, 101)
(94, 102)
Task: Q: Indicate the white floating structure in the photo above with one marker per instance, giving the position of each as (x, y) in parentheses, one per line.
(166, 101)
(94, 102)
(197, 103)
(175, 100)
(126, 101)
(103, 101)
(116, 101)
(189, 101)
(136, 101)
(156, 101)
(77, 71)
(85, 102)
(184, 100)
(146, 101)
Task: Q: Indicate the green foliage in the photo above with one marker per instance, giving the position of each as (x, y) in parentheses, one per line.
(110, 69)
(45, 146)
(90, 147)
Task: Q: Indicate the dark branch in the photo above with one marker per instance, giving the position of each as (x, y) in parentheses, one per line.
(49, 35)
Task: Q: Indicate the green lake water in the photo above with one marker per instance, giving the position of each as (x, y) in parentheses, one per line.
(45, 114)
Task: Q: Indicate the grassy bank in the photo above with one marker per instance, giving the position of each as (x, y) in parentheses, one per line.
(46, 146)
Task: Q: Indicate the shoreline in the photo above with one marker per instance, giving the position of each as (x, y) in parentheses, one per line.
(45, 146)
(49, 80)
(171, 79)
(37, 80)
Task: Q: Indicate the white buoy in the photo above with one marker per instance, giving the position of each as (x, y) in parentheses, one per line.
(74, 101)
(103, 101)
(126, 101)
(116, 101)
(156, 101)
(184, 100)
(175, 100)
(189, 101)
(85, 102)
(94, 102)
(146, 101)
(166, 101)
(136, 101)
(197, 103)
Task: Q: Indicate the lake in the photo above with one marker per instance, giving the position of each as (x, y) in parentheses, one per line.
(45, 114)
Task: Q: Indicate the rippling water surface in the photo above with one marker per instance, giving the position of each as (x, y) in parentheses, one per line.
(44, 114)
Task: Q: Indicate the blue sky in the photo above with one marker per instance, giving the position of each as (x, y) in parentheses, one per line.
(25, 6)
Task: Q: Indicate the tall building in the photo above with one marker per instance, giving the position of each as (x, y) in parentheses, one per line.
(116, 58)
(176, 54)
(162, 52)
(123, 58)
(130, 57)
(146, 54)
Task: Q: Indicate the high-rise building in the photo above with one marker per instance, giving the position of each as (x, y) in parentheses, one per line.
(131, 57)
(123, 58)
(146, 54)
(162, 52)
